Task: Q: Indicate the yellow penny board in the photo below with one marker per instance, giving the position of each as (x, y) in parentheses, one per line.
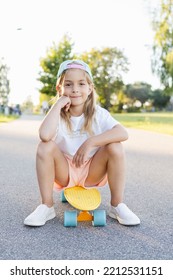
(82, 198)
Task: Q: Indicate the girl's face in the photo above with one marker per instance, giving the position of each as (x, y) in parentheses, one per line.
(76, 87)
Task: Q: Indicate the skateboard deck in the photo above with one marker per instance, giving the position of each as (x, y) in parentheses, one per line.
(86, 201)
(82, 198)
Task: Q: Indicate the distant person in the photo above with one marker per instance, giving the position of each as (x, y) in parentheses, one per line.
(80, 145)
(17, 111)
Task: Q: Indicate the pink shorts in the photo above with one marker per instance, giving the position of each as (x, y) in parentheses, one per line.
(77, 176)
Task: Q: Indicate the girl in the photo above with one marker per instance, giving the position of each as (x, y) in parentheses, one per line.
(80, 145)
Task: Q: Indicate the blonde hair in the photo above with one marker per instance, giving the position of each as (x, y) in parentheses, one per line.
(89, 106)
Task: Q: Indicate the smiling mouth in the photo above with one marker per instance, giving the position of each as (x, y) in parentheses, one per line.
(75, 96)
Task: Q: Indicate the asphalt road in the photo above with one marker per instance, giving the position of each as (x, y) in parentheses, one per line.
(149, 193)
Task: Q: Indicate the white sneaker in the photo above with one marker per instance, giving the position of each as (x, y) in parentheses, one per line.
(124, 215)
(40, 216)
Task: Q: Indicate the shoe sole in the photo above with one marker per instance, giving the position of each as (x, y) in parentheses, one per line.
(122, 222)
(49, 217)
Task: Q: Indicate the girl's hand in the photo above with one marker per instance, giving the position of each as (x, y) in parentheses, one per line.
(82, 153)
(64, 102)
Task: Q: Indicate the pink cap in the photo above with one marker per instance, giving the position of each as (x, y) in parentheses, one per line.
(79, 66)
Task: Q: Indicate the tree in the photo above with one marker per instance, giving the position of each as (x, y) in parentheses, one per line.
(138, 91)
(159, 99)
(4, 83)
(107, 67)
(162, 62)
(50, 64)
(120, 101)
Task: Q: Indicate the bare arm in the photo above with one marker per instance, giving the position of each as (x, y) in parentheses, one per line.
(49, 125)
(117, 134)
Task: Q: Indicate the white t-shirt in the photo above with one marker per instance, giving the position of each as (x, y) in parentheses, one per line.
(69, 142)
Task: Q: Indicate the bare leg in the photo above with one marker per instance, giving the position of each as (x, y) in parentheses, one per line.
(111, 160)
(50, 164)
(116, 172)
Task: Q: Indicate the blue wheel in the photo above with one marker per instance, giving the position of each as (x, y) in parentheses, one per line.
(62, 197)
(70, 218)
(99, 218)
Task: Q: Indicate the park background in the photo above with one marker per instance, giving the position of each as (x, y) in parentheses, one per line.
(46, 32)
(128, 45)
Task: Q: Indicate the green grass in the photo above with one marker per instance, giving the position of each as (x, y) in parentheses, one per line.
(5, 119)
(157, 122)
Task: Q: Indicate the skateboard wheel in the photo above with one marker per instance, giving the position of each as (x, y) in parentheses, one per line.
(62, 197)
(70, 218)
(99, 218)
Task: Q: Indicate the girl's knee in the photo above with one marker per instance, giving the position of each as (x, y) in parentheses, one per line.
(45, 148)
(115, 149)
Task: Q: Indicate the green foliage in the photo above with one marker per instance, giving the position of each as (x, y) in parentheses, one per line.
(162, 62)
(120, 100)
(159, 99)
(107, 66)
(50, 64)
(138, 96)
(138, 91)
